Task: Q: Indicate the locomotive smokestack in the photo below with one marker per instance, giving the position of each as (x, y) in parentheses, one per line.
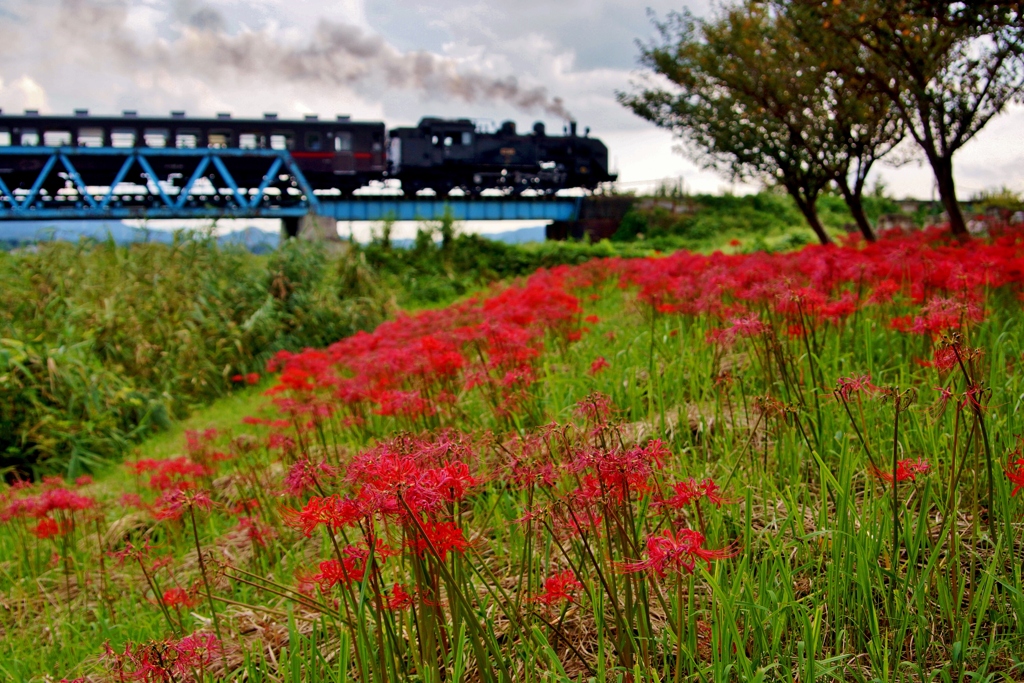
(572, 128)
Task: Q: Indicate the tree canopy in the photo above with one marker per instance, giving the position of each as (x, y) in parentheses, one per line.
(803, 93)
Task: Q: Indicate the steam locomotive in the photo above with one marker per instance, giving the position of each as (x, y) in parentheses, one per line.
(344, 155)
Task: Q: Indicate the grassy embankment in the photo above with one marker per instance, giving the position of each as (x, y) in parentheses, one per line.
(475, 490)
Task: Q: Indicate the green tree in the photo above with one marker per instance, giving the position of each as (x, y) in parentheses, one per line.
(948, 68)
(753, 99)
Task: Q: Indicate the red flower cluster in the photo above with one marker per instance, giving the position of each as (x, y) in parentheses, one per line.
(351, 568)
(174, 473)
(827, 285)
(691, 491)
(164, 660)
(560, 587)
(676, 551)
(905, 469)
(618, 472)
(415, 366)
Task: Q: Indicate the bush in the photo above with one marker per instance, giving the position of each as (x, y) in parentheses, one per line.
(102, 344)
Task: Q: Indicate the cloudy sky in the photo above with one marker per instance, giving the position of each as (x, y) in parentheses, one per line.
(394, 61)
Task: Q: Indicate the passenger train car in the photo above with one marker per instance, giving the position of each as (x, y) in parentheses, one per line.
(344, 155)
(340, 154)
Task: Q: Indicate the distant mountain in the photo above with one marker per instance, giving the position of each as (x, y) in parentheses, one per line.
(17, 233)
(520, 236)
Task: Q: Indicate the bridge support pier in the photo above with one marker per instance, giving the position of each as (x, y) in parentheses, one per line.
(311, 227)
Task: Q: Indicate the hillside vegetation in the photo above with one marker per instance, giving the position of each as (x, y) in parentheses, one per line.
(100, 345)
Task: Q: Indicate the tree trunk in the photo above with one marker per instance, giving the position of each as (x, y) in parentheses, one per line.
(808, 207)
(943, 169)
(856, 205)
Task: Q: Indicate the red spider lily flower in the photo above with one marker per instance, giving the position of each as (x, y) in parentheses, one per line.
(973, 397)
(396, 482)
(305, 476)
(63, 500)
(438, 538)
(944, 359)
(617, 472)
(945, 396)
(846, 387)
(255, 530)
(592, 319)
(596, 408)
(166, 660)
(905, 469)
(131, 552)
(398, 599)
(173, 504)
(197, 650)
(690, 491)
(598, 365)
(334, 512)
(132, 500)
(559, 587)
(83, 480)
(332, 572)
(1015, 473)
(453, 480)
(245, 506)
(179, 597)
(676, 551)
(18, 508)
(237, 379)
(48, 528)
(169, 474)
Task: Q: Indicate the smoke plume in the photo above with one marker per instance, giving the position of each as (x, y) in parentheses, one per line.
(335, 54)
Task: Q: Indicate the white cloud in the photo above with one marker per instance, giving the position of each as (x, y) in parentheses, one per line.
(581, 50)
(23, 93)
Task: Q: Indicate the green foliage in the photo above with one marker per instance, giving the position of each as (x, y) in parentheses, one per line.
(101, 344)
(947, 68)
(1003, 199)
(431, 273)
(768, 220)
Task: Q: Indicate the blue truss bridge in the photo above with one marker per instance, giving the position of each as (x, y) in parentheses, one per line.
(45, 183)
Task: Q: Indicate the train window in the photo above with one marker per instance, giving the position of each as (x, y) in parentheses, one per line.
(467, 138)
(155, 137)
(282, 141)
(250, 141)
(29, 138)
(313, 142)
(90, 137)
(56, 138)
(122, 137)
(186, 139)
(5, 138)
(343, 142)
(219, 139)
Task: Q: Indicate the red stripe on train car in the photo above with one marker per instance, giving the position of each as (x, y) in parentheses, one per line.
(313, 155)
